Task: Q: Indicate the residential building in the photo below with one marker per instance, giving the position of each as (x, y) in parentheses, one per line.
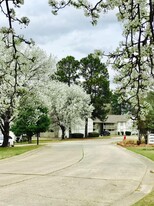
(115, 124)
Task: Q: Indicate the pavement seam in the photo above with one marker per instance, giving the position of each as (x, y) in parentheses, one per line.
(93, 178)
(14, 183)
(46, 174)
(82, 157)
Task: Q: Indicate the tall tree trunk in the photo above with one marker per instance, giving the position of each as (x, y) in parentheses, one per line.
(38, 135)
(70, 131)
(139, 136)
(63, 131)
(139, 131)
(30, 138)
(86, 127)
(5, 132)
(5, 126)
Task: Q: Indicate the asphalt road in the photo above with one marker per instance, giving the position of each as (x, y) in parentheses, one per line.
(75, 173)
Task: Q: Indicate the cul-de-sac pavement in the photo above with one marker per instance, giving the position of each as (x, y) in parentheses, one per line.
(75, 173)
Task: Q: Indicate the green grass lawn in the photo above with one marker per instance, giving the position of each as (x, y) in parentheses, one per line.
(34, 141)
(17, 150)
(146, 201)
(149, 153)
(145, 151)
(44, 141)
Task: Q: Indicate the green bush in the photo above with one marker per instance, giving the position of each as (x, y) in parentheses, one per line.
(93, 134)
(76, 135)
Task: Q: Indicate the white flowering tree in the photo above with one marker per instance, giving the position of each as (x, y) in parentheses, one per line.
(134, 58)
(67, 105)
(34, 68)
(10, 61)
(10, 20)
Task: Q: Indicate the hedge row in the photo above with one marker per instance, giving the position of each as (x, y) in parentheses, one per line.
(76, 135)
(93, 134)
(80, 135)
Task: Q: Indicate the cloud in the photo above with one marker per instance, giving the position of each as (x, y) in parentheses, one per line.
(70, 32)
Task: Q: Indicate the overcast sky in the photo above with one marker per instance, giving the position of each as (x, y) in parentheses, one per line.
(70, 32)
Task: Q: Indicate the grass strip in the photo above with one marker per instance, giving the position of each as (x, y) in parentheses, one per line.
(6, 152)
(145, 151)
(148, 200)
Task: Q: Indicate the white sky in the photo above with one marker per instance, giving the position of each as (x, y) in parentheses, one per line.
(70, 32)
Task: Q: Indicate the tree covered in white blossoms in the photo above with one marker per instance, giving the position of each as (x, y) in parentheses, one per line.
(134, 58)
(10, 62)
(10, 20)
(67, 105)
(34, 68)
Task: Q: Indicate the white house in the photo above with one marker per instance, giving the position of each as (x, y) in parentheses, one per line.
(115, 124)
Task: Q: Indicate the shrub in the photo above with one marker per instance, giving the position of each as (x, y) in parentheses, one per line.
(128, 133)
(93, 134)
(76, 135)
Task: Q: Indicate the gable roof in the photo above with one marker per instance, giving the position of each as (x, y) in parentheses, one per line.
(116, 118)
(113, 119)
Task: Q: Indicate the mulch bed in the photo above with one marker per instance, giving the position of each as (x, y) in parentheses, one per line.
(133, 144)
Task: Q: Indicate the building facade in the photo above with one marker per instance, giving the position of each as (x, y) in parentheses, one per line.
(115, 124)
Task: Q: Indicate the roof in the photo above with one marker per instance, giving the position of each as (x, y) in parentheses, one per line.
(113, 119)
(97, 121)
(116, 118)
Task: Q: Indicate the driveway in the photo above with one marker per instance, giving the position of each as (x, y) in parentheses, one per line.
(75, 173)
